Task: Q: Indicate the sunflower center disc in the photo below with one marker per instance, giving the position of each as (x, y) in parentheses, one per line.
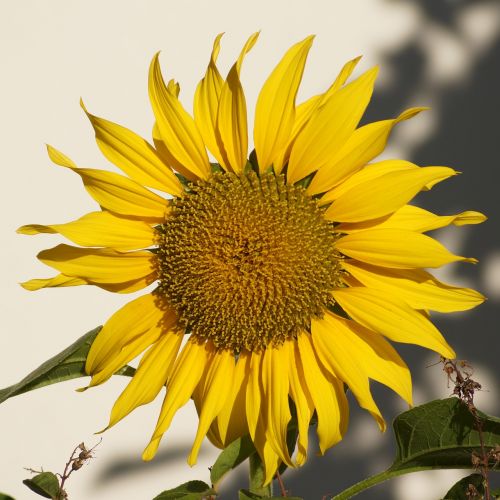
(247, 261)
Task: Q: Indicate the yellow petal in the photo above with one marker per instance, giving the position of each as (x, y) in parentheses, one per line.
(354, 350)
(216, 390)
(342, 77)
(126, 324)
(187, 372)
(134, 155)
(329, 127)
(275, 406)
(383, 195)
(254, 393)
(369, 173)
(167, 157)
(231, 423)
(390, 316)
(416, 219)
(232, 116)
(206, 103)
(275, 109)
(386, 365)
(60, 158)
(467, 217)
(150, 376)
(59, 280)
(305, 110)
(327, 394)
(362, 146)
(99, 265)
(303, 403)
(176, 127)
(416, 287)
(345, 362)
(115, 192)
(123, 196)
(269, 457)
(100, 229)
(173, 87)
(397, 249)
(131, 350)
(126, 286)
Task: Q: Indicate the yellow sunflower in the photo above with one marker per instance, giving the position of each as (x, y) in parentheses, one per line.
(279, 274)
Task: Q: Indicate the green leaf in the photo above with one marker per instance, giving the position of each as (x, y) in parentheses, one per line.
(4, 496)
(437, 435)
(248, 495)
(459, 489)
(44, 484)
(441, 435)
(233, 455)
(66, 365)
(192, 490)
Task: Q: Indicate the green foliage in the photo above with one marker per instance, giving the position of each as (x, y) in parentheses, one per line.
(192, 490)
(44, 484)
(236, 453)
(66, 365)
(460, 489)
(3, 496)
(441, 434)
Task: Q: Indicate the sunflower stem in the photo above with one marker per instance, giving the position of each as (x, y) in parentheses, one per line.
(257, 476)
(376, 479)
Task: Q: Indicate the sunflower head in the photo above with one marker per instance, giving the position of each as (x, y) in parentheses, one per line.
(247, 260)
(277, 277)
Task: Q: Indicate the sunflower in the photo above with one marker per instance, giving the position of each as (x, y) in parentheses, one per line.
(279, 275)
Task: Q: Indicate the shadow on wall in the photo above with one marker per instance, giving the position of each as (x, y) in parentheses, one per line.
(467, 138)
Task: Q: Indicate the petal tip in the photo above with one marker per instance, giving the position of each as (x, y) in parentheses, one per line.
(82, 105)
(27, 285)
(470, 260)
(150, 451)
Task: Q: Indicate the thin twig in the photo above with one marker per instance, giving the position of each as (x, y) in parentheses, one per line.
(74, 463)
(66, 472)
(465, 388)
(281, 484)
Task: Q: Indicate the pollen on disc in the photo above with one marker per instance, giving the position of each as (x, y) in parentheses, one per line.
(247, 261)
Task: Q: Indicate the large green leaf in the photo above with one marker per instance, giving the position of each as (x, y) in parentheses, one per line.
(44, 484)
(233, 455)
(193, 490)
(66, 365)
(438, 435)
(3, 496)
(441, 434)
